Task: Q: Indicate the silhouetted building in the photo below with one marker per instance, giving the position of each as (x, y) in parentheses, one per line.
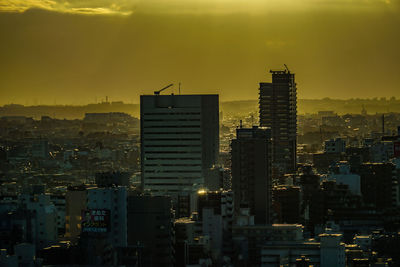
(251, 171)
(278, 110)
(214, 178)
(337, 145)
(179, 141)
(110, 117)
(75, 203)
(288, 251)
(251, 242)
(342, 175)
(150, 221)
(322, 161)
(312, 200)
(104, 179)
(287, 200)
(379, 184)
(24, 255)
(356, 156)
(183, 206)
(190, 244)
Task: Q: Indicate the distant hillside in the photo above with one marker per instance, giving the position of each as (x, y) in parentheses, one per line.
(243, 106)
(352, 106)
(312, 106)
(68, 112)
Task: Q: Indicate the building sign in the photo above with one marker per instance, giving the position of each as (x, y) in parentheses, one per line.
(397, 149)
(95, 221)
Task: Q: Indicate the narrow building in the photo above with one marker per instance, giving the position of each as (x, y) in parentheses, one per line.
(251, 172)
(278, 110)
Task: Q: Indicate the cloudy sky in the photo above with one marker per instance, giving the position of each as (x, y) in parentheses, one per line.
(79, 51)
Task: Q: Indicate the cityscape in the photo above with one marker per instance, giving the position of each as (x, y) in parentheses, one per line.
(187, 185)
(247, 156)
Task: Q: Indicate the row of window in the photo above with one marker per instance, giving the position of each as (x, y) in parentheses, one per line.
(172, 126)
(171, 145)
(163, 171)
(172, 184)
(176, 165)
(150, 158)
(165, 133)
(171, 139)
(161, 120)
(172, 152)
(172, 113)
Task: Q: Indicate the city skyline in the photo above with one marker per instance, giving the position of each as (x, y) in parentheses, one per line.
(199, 133)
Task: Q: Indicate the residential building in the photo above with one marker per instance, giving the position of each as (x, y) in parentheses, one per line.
(251, 171)
(278, 110)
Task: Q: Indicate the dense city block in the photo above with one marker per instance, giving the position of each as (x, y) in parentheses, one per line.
(182, 181)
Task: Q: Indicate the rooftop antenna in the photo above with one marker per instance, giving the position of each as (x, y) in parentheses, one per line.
(241, 124)
(179, 88)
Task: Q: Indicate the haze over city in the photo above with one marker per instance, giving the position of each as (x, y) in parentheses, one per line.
(188, 133)
(78, 52)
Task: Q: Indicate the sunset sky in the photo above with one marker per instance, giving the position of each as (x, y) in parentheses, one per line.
(79, 51)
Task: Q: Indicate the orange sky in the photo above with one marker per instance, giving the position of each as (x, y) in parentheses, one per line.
(74, 52)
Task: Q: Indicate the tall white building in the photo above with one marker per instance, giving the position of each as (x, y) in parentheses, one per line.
(113, 201)
(179, 141)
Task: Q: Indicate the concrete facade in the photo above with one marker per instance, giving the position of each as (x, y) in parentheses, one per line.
(179, 141)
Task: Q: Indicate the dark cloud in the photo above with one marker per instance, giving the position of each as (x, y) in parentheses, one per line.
(126, 7)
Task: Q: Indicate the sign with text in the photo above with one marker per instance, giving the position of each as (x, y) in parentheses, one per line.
(95, 221)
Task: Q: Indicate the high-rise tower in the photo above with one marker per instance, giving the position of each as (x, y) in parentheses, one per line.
(278, 110)
(179, 141)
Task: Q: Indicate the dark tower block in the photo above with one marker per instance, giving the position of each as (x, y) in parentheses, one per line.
(278, 110)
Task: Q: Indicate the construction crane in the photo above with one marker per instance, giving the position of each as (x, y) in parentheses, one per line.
(159, 91)
(286, 67)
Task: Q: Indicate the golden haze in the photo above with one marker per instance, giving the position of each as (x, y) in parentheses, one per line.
(78, 51)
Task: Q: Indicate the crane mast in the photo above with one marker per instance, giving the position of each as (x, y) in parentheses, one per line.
(162, 89)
